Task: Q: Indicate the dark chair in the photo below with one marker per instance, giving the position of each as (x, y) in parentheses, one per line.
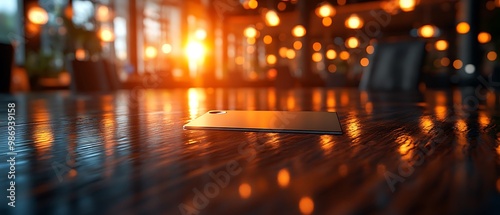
(89, 76)
(394, 66)
(112, 75)
(6, 61)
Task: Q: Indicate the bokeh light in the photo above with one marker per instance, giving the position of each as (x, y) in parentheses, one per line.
(325, 10)
(407, 5)
(299, 31)
(463, 28)
(38, 15)
(352, 42)
(364, 62)
(150, 52)
(370, 49)
(354, 22)
(317, 57)
(297, 45)
(331, 54)
(327, 21)
(271, 59)
(484, 37)
(306, 205)
(316, 46)
(457, 64)
(272, 18)
(427, 31)
(492, 56)
(267, 39)
(250, 32)
(344, 55)
(441, 45)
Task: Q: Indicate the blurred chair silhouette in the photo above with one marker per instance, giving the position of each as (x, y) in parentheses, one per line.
(6, 61)
(112, 75)
(90, 76)
(395, 66)
(284, 78)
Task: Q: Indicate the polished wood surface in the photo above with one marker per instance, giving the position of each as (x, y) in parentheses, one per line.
(436, 152)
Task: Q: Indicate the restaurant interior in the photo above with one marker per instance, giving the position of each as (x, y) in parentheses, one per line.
(95, 94)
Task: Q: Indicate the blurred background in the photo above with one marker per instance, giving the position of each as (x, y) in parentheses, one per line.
(233, 43)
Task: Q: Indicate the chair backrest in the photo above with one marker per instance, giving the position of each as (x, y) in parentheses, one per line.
(89, 76)
(6, 60)
(112, 75)
(394, 66)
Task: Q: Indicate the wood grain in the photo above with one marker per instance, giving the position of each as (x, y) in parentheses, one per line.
(126, 153)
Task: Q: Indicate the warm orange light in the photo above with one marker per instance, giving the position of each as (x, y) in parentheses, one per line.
(245, 190)
(271, 59)
(317, 57)
(463, 28)
(341, 2)
(332, 68)
(272, 73)
(253, 75)
(283, 51)
(200, 34)
(272, 18)
(281, 6)
(427, 31)
(166, 48)
(297, 45)
(250, 49)
(306, 205)
(239, 60)
(290, 54)
(38, 15)
(492, 56)
(150, 52)
(106, 35)
(457, 64)
(370, 49)
(352, 42)
(267, 39)
(364, 62)
(316, 46)
(252, 4)
(344, 55)
(102, 13)
(325, 10)
(327, 21)
(484, 37)
(441, 45)
(407, 5)
(283, 178)
(80, 54)
(299, 31)
(195, 51)
(331, 54)
(251, 40)
(445, 61)
(250, 32)
(354, 22)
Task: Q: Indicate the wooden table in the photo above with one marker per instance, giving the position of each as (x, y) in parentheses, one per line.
(126, 153)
